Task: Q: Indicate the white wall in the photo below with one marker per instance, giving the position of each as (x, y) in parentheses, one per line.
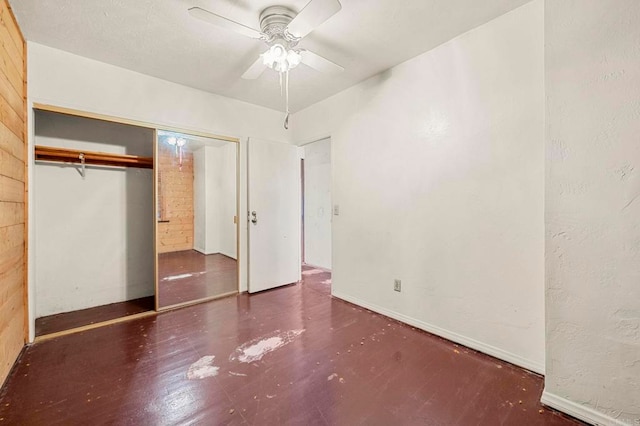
(215, 199)
(317, 203)
(59, 78)
(592, 73)
(64, 79)
(205, 217)
(438, 174)
(227, 200)
(93, 240)
(199, 200)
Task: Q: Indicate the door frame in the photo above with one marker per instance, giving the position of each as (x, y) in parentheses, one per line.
(302, 212)
(302, 156)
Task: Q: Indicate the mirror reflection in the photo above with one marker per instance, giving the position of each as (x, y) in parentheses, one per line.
(196, 202)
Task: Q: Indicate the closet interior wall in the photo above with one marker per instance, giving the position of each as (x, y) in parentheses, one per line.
(93, 235)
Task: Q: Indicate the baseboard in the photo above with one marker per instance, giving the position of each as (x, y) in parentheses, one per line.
(316, 267)
(579, 411)
(207, 253)
(230, 256)
(203, 251)
(449, 335)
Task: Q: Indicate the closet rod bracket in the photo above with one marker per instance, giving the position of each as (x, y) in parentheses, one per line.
(82, 163)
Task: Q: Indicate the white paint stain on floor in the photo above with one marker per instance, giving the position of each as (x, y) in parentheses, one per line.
(203, 368)
(326, 281)
(237, 374)
(255, 349)
(331, 377)
(312, 272)
(182, 276)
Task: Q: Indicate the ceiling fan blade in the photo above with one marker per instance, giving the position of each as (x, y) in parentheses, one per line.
(319, 63)
(222, 22)
(255, 70)
(312, 15)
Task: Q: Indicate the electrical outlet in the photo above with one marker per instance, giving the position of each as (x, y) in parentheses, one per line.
(336, 210)
(397, 285)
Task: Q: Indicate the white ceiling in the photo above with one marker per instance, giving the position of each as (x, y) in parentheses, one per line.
(159, 38)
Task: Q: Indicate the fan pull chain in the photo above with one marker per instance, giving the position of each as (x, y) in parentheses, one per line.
(286, 95)
(286, 91)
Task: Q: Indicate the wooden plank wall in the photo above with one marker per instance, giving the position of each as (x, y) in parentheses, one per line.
(13, 232)
(175, 193)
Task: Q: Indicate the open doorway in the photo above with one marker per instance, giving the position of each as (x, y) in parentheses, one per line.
(316, 212)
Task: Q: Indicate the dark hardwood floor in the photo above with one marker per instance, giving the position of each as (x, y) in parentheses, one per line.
(68, 320)
(189, 275)
(324, 361)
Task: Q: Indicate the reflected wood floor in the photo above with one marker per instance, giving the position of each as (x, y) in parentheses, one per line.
(68, 320)
(350, 366)
(189, 275)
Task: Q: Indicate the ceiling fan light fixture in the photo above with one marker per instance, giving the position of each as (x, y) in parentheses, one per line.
(278, 52)
(293, 58)
(280, 59)
(173, 141)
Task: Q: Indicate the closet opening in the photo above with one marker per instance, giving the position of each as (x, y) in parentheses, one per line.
(93, 221)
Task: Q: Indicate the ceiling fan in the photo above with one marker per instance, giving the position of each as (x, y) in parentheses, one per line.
(281, 29)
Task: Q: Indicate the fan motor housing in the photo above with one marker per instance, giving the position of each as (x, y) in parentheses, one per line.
(274, 21)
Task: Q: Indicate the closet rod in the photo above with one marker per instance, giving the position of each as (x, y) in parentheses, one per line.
(64, 155)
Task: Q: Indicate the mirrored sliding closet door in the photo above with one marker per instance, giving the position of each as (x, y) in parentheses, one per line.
(196, 213)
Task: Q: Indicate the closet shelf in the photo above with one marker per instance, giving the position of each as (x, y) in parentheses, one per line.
(64, 155)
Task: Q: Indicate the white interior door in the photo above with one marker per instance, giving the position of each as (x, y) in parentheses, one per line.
(274, 214)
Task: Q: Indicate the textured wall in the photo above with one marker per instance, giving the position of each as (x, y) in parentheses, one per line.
(438, 171)
(12, 190)
(176, 197)
(593, 207)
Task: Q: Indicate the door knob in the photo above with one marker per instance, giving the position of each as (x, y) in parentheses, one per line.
(254, 217)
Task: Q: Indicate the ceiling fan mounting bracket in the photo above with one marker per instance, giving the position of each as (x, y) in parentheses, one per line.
(273, 24)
